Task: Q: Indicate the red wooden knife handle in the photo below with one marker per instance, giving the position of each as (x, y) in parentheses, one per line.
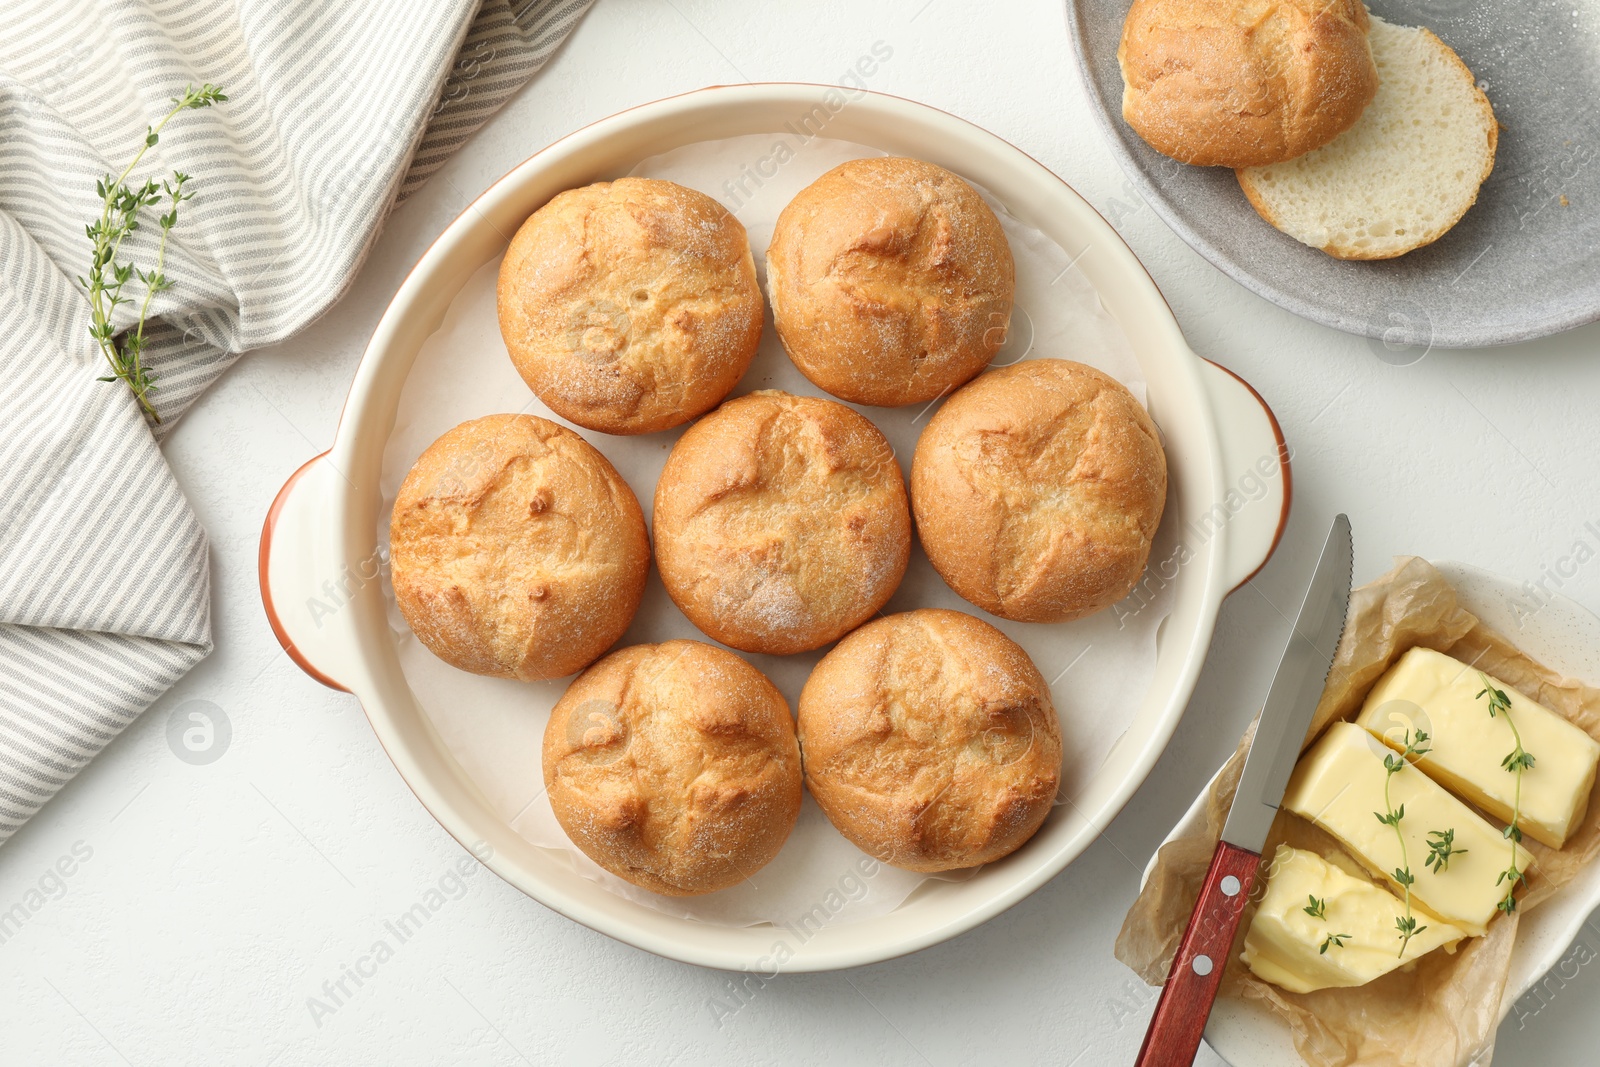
(1196, 974)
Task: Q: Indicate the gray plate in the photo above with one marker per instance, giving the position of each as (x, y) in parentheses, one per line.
(1523, 263)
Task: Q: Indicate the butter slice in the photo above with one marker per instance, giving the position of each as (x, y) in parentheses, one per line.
(1283, 944)
(1440, 694)
(1339, 786)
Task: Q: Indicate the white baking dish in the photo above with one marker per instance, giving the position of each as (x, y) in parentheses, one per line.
(1564, 636)
(1227, 459)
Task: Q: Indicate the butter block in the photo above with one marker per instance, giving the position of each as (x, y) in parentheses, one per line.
(1440, 694)
(1339, 786)
(1284, 943)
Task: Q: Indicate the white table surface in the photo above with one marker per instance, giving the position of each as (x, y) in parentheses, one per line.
(216, 899)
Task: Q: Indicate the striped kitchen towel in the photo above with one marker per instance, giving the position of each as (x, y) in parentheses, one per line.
(336, 112)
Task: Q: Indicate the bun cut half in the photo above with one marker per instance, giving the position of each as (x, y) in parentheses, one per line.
(1242, 83)
(1402, 176)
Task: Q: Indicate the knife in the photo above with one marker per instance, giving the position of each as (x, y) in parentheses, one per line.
(1196, 973)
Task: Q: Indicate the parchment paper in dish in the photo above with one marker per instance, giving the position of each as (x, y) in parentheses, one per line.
(1099, 666)
(1443, 1010)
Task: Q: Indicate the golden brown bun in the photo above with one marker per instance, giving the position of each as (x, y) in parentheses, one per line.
(1037, 489)
(518, 550)
(930, 741)
(1242, 83)
(630, 306)
(781, 522)
(891, 281)
(674, 766)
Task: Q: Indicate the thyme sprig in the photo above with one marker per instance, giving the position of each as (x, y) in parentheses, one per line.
(1318, 909)
(120, 206)
(1392, 763)
(1441, 847)
(1517, 761)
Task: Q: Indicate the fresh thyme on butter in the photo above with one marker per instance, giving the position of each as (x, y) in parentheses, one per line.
(1407, 923)
(1332, 941)
(1516, 762)
(121, 204)
(1318, 909)
(1441, 846)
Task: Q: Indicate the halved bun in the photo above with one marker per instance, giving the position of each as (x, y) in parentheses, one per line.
(1244, 82)
(1400, 177)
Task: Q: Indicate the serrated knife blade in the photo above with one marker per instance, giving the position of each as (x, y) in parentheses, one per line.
(1296, 688)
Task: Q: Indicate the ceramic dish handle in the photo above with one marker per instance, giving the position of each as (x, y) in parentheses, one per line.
(1254, 505)
(306, 584)
(1179, 1021)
